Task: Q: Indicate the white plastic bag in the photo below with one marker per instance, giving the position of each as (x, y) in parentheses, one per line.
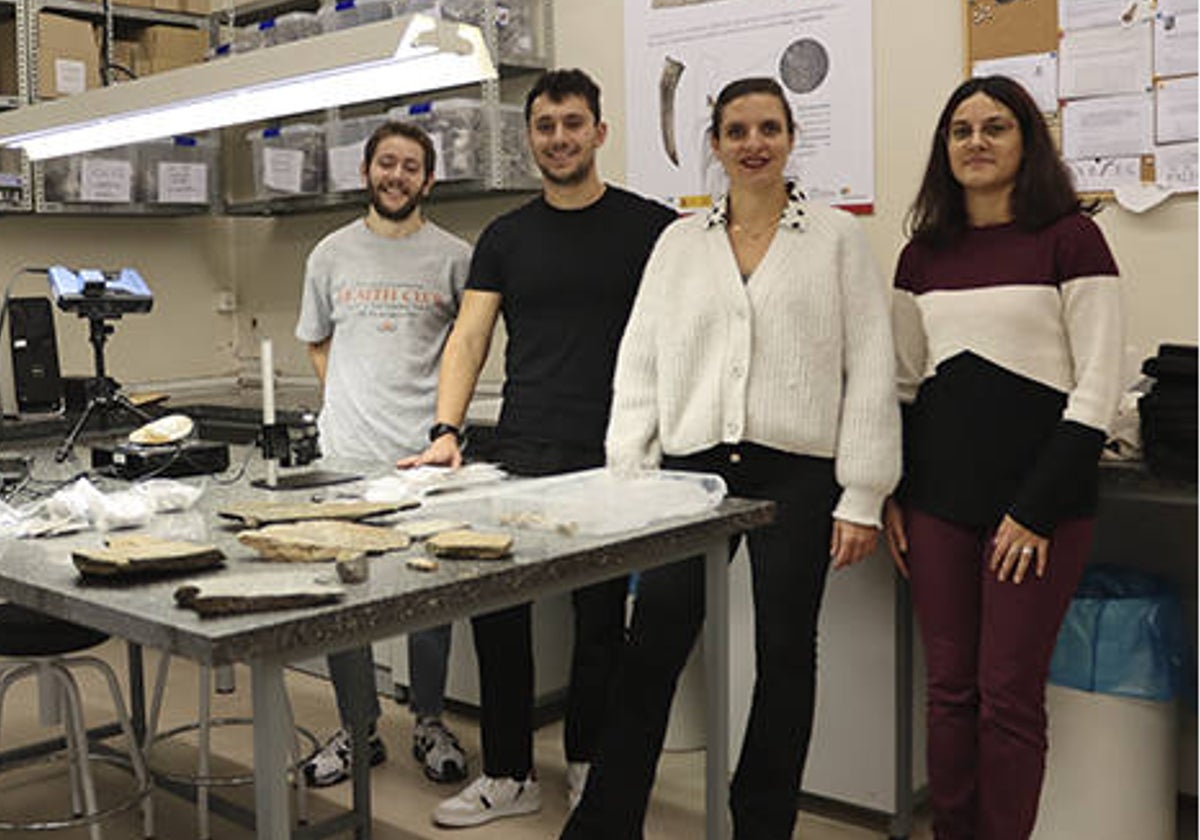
(599, 501)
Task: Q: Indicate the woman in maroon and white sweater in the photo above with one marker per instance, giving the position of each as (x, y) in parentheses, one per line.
(1008, 331)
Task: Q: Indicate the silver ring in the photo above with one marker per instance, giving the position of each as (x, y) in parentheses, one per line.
(1027, 550)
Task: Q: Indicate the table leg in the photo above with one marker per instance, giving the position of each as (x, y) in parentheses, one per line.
(359, 724)
(271, 750)
(137, 690)
(716, 653)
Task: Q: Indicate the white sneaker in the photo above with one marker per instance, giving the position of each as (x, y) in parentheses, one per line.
(577, 776)
(487, 799)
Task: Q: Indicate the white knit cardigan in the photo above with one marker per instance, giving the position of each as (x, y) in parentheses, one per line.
(799, 358)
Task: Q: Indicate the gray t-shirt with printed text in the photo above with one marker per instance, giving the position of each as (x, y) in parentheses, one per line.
(388, 303)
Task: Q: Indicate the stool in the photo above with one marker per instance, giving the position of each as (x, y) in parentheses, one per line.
(203, 778)
(37, 645)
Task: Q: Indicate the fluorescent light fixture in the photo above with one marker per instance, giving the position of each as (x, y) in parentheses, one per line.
(404, 55)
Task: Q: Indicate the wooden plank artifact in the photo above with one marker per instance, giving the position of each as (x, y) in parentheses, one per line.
(322, 539)
(256, 592)
(469, 545)
(142, 554)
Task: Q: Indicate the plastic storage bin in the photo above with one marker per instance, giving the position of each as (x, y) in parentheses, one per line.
(102, 177)
(456, 127)
(178, 171)
(288, 161)
(514, 24)
(250, 37)
(344, 142)
(1112, 764)
(459, 128)
(294, 26)
(347, 13)
(517, 168)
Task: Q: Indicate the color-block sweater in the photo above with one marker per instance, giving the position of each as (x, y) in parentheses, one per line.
(1009, 345)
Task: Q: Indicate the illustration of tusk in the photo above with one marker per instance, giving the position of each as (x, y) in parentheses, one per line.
(667, 83)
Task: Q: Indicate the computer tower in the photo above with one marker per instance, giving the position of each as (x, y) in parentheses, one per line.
(37, 383)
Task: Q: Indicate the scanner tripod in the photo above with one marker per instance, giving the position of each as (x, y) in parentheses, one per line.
(104, 399)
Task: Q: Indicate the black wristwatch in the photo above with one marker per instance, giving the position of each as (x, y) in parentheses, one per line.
(439, 429)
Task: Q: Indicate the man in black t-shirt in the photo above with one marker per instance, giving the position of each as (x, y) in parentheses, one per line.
(563, 271)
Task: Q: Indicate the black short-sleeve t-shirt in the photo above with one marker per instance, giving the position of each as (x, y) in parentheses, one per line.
(568, 280)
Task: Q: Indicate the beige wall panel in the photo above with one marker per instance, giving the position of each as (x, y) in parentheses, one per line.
(184, 260)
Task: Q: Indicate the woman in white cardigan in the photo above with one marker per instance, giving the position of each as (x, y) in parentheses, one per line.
(759, 348)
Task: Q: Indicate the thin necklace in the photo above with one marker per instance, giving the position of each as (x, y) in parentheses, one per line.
(738, 227)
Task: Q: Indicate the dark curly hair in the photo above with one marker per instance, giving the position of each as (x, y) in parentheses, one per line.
(559, 84)
(1043, 192)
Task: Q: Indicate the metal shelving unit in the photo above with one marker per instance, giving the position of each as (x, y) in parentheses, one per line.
(493, 180)
(15, 176)
(92, 11)
(24, 189)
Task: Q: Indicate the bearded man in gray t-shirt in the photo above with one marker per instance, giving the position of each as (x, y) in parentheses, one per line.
(380, 296)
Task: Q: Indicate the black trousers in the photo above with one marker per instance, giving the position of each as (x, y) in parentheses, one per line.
(789, 560)
(504, 643)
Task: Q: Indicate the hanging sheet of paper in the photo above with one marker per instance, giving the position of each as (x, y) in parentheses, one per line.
(1037, 73)
(1093, 175)
(345, 167)
(1105, 61)
(678, 56)
(1086, 14)
(1175, 44)
(105, 180)
(1175, 167)
(282, 169)
(1108, 126)
(182, 183)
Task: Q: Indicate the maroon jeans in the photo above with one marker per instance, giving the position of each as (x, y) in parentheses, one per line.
(987, 652)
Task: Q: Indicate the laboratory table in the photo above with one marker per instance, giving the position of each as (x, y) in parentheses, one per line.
(393, 600)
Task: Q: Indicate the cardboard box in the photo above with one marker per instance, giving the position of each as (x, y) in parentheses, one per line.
(131, 56)
(8, 57)
(168, 47)
(68, 60)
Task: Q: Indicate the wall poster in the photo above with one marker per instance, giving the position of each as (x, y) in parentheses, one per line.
(680, 53)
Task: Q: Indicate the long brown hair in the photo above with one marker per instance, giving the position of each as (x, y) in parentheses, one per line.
(1043, 192)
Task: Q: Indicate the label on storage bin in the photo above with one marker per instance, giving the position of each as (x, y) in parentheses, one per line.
(182, 183)
(70, 76)
(106, 180)
(345, 166)
(282, 169)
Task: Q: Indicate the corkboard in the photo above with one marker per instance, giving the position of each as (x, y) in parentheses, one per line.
(1002, 28)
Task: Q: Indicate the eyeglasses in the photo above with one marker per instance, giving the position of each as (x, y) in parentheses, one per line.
(961, 132)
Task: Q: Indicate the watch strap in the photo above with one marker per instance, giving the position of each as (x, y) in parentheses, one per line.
(439, 429)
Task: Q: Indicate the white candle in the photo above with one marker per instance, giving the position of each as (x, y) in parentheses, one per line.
(268, 392)
(268, 382)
